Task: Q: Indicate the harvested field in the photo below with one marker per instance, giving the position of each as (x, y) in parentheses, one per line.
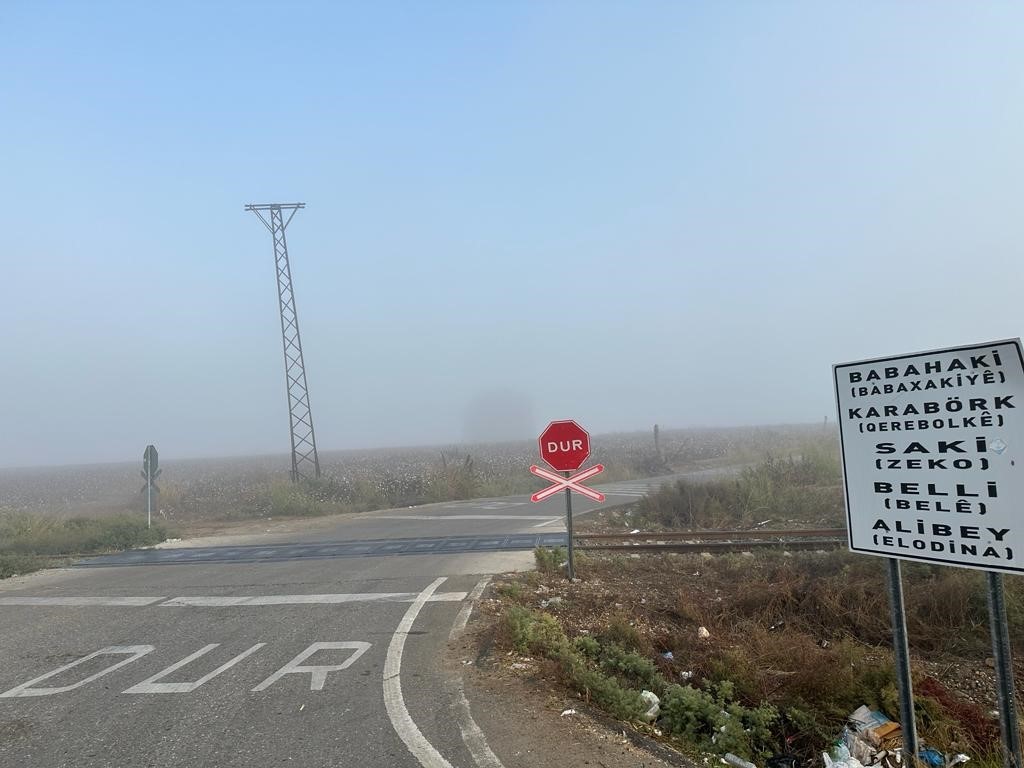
(241, 488)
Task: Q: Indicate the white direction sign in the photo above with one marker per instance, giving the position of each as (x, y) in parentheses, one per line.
(930, 448)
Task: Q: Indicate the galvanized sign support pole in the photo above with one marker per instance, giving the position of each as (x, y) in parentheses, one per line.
(1004, 671)
(901, 649)
(568, 527)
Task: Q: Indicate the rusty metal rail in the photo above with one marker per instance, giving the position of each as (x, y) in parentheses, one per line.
(712, 541)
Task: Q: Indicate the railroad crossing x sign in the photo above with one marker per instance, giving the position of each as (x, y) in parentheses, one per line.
(572, 483)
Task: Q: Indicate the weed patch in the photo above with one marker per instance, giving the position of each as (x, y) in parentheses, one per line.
(793, 645)
(29, 542)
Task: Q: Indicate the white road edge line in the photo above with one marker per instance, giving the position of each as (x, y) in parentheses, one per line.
(223, 601)
(394, 702)
(81, 601)
(460, 517)
(472, 736)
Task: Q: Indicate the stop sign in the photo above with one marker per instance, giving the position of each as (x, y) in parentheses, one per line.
(564, 445)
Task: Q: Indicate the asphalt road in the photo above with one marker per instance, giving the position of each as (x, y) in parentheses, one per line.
(308, 648)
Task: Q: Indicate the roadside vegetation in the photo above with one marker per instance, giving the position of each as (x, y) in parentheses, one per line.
(757, 654)
(796, 489)
(30, 542)
(197, 491)
(48, 514)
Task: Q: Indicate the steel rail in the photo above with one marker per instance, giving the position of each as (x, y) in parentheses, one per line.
(813, 533)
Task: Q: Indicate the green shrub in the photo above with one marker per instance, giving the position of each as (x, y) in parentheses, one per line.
(588, 646)
(631, 667)
(532, 632)
(712, 720)
(512, 590)
(549, 560)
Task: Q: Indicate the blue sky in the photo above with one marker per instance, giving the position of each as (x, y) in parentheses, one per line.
(623, 213)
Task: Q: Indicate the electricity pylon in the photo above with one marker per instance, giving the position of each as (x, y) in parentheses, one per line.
(305, 462)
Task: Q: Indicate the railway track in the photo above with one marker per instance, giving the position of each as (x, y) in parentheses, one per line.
(712, 541)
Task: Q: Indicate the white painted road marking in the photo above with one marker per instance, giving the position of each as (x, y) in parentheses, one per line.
(222, 601)
(460, 517)
(150, 685)
(219, 601)
(133, 652)
(318, 674)
(394, 702)
(81, 601)
(472, 736)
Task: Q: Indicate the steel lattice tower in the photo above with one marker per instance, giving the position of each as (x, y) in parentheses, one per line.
(305, 462)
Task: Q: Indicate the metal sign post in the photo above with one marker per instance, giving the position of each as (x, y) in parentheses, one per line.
(568, 529)
(901, 649)
(1004, 671)
(933, 470)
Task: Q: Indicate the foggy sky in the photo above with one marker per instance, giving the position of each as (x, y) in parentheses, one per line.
(619, 213)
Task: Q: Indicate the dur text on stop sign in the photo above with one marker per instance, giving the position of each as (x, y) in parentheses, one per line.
(564, 446)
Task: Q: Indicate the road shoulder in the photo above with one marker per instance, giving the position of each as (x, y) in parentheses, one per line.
(522, 718)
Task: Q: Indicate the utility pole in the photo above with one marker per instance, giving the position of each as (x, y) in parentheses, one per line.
(305, 462)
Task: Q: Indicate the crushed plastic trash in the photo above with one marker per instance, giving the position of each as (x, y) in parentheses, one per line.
(668, 656)
(567, 712)
(702, 633)
(635, 530)
(686, 675)
(653, 706)
(737, 762)
(850, 762)
(552, 601)
(781, 761)
(870, 739)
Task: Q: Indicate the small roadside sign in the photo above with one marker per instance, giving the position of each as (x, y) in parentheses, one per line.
(564, 446)
(150, 472)
(933, 455)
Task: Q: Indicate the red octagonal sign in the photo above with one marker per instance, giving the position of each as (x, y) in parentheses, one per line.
(564, 445)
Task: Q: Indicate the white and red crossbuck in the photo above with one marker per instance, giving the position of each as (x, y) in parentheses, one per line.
(573, 483)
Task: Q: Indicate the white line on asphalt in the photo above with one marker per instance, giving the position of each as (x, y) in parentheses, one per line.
(317, 673)
(132, 652)
(472, 736)
(151, 684)
(460, 517)
(220, 601)
(394, 702)
(548, 522)
(81, 601)
(223, 601)
(463, 616)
